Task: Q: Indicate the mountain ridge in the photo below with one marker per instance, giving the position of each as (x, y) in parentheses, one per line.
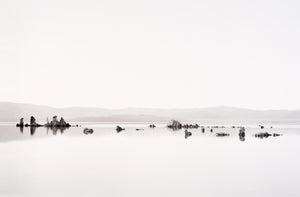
(12, 112)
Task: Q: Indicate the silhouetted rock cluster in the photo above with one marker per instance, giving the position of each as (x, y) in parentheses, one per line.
(32, 123)
(174, 124)
(191, 126)
(56, 123)
(266, 135)
(88, 131)
(53, 123)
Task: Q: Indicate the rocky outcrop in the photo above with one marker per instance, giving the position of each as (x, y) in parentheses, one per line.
(56, 123)
(119, 129)
(33, 122)
(174, 124)
(21, 124)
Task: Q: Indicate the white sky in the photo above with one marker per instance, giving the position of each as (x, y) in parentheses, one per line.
(155, 53)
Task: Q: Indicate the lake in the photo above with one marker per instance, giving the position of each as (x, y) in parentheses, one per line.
(150, 162)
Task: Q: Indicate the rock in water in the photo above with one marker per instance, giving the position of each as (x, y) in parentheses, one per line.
(242, 134)
(118, 129)
(152, 126)
(263, 135)
(33, 122)
(174, 124)
(187, 133)
(88, 131)
(21, 124)
(222, 134)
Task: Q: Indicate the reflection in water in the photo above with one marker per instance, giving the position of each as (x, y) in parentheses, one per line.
(32, 130)
(242, 134)
(242, 138)
(21, 129)
(55, 130)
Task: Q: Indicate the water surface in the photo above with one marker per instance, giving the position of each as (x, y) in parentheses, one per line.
(152, 162)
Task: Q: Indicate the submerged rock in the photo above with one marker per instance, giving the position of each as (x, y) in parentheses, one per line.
(139, 129)
(88, 131)
(263, 135)
(222, 134)
(187, 133)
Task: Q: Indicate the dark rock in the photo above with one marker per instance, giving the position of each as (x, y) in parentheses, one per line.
(88, 131)
(174, 124)
(152, 126)
(139, 129)
(119, 129)
(222, 134)
(242, 133)
(263, 135)
(187, 133)
(21, 124)
(190, 126)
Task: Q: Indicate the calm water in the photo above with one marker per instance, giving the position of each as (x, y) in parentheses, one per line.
(152, 162)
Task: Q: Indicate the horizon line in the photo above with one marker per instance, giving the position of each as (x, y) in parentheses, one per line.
(157, 108)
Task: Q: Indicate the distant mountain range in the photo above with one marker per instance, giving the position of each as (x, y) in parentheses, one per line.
(12, 112)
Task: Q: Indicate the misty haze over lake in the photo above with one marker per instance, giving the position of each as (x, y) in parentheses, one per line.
(149, 98)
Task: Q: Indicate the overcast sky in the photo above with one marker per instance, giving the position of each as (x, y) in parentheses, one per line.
(155, 53)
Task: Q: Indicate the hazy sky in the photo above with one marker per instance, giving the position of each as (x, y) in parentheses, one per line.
(155, 53)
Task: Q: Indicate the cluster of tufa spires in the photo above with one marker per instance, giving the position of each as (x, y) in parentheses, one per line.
(53, 123)
(56, 123)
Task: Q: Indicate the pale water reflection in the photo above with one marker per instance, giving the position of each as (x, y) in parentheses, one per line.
(149, 162)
